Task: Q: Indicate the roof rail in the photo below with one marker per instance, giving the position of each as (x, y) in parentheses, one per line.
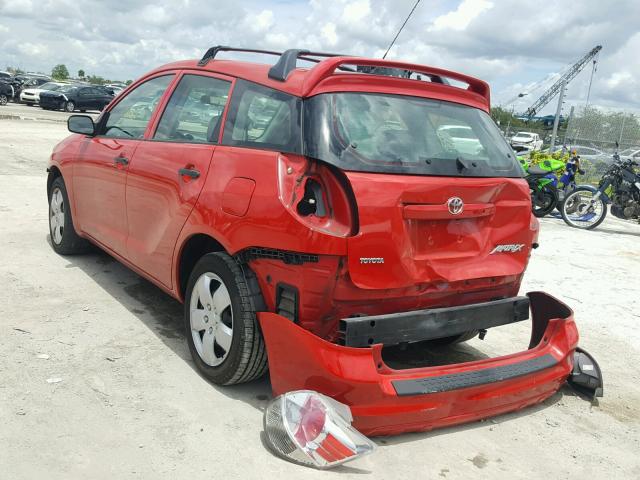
(437, 75)
(213, 51)
(283, 67)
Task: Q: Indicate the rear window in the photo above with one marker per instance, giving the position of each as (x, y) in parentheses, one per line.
(402, 134)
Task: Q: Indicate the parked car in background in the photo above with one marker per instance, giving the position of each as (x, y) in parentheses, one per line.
(526, 141)
(5, 76)
(23, 82)
(116, 87)
(76, 97)
(6, 92)
(31, 96)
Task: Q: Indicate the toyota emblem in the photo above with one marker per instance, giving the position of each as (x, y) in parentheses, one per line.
(455, 205)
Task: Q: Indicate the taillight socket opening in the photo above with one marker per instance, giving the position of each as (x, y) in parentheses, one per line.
(313, 202)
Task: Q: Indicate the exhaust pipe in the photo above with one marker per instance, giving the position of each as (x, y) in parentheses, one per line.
(586, 377)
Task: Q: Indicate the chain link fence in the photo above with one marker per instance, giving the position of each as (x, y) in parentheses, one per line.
(594, 131)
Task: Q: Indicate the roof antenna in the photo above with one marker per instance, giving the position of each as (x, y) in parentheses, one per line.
(397, 34)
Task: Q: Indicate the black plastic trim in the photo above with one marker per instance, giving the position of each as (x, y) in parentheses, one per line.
(473, 378)
(586, 377)
(290, 258)
(429, 324)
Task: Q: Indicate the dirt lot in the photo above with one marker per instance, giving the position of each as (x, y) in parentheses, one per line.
(96, 381)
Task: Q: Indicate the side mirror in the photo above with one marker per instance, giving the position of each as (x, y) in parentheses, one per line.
(81, 124)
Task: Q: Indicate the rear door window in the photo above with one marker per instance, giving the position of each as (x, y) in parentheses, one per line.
(194, 111)
(129, 118)
(261, 117)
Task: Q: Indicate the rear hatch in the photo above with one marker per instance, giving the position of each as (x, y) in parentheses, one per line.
(409, 236)
(431, 210)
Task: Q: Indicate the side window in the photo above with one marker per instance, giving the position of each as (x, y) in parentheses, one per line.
(194, 112)
(129, 118)
(84, 92)
(261, 117)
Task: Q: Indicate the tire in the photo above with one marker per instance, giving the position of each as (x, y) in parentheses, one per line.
(221, 302)
(577, 217)
(64, 239)
(544, 201)
(3, 99)
(69, 106)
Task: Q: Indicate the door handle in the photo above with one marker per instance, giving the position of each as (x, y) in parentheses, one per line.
(189, 172)
(121, 161)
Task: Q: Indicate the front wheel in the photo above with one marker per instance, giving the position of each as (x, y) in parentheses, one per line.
(583, 208)
(220, 320)
(69, 106)
(64, 238)
(544, 199)
(3, 99)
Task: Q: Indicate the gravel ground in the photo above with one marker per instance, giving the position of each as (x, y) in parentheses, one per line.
(96, 380)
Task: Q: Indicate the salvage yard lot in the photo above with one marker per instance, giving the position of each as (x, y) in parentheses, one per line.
(96, 380)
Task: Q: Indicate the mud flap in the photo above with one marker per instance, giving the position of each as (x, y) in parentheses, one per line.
(586, 377)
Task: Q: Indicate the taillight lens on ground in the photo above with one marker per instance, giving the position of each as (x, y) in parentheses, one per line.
(312, 429)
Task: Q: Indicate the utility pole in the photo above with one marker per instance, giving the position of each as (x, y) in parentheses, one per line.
(556, 121)
(566, 131)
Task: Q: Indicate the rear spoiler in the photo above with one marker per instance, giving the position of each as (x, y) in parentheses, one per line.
(327, 68)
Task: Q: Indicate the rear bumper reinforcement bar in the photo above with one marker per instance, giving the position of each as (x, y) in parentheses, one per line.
(429, 324)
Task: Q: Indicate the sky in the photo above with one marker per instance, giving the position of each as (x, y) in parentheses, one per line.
(518, 46)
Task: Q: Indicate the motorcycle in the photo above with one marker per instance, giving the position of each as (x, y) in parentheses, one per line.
(543, 182)
(567, 184)
(586, 208)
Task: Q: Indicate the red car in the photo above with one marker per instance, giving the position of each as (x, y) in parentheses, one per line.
(318, 220)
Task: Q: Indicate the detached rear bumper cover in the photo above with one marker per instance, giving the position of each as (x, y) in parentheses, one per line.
(385, 401)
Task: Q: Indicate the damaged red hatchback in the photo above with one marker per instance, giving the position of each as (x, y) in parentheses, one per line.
(314, 220)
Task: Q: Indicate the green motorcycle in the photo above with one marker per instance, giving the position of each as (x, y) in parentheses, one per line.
(543, 182)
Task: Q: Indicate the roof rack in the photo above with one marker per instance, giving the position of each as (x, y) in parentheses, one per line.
(213, 51)
(283, 67)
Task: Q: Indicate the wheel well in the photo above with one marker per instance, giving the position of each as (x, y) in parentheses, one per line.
(54, 173)
(196, 247)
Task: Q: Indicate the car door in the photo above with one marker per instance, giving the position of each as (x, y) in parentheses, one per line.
(84, 98)
(168, 171)
(100, 172)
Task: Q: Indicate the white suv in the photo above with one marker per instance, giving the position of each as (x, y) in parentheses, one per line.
(526, 141)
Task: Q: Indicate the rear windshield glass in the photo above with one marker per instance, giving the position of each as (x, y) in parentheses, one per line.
(401, 134)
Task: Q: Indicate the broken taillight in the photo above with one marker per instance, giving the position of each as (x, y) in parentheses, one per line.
(312, 429)
(319, 196)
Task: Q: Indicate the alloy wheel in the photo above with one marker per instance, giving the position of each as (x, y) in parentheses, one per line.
(211, 319)
(56, 216)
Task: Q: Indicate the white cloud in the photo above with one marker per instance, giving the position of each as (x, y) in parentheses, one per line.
(260, 22)
(460, 18)
(506, 42)
(329, 34)
(32, 49)
(356, 11)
